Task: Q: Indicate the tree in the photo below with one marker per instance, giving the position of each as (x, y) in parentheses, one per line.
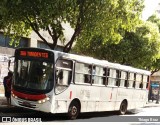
(156, 63)
(154, 19)
(139, 48)
(87, 18)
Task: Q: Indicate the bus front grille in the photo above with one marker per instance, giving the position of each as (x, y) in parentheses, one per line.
(26, 104)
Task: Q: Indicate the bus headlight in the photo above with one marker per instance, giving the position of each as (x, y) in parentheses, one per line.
(43, 100)
(14, 96)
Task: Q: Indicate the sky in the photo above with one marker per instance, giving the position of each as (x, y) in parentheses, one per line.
(150, 6)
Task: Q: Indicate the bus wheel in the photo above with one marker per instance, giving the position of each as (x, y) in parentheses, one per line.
(74, 110)
(123, 108)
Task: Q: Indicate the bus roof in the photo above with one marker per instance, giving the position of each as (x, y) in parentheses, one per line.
(104, 63)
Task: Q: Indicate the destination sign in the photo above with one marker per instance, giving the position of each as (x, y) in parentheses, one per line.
(34, 54)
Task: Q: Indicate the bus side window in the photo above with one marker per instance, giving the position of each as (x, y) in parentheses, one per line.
(59, 74)
(87, 77)
(112, 77)
(141, 84)
(104, 76)
(108, 74)
(131, 79)
(134, 82)
(123, 77)
(138, 80)
(64, 72)
(126, 80)
(82, 73)
(118, 77)
(148, 80)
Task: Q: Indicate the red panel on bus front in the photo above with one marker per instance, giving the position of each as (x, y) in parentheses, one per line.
(29, 96)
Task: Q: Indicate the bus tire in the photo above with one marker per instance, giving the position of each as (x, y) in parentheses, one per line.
(123, 108)
(74, 110)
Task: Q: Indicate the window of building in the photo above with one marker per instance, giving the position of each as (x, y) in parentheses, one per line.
(41, 44)
(5, 42)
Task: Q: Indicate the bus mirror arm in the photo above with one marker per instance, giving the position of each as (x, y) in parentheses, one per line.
(9, 62)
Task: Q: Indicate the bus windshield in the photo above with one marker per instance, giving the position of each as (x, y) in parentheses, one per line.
(34, 74)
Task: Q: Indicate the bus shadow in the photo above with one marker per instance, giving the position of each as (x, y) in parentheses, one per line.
(82, 116)
(46, 117)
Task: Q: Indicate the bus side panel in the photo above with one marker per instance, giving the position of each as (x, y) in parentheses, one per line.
(135, 97)
(106, 99)
(139, 98)
(122, 94)
(62, 101)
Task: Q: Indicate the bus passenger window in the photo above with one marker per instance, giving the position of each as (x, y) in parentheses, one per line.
(112, 77)
(148, 79)
(141, 84)
(126, 80)
(98, 75)
(93, 72)
(63, 75)
(87, 78)
(108, 73)
(118, 77)
(138, 80)
(131, 79)
(104, 76)
(59, 76)
(145, 80)
(134, 82)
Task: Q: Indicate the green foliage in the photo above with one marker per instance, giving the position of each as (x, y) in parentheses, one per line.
(87, 18)
(156, 63)
(139, 48)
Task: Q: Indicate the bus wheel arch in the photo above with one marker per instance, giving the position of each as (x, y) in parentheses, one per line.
(74, 109)
(123, 107)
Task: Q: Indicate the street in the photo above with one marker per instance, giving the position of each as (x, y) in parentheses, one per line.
(142, 116)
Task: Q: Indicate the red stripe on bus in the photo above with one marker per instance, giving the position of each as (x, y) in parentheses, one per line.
(29, 96)
(70, 96)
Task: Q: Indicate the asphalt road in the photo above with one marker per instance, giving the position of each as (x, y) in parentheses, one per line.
(15, 112)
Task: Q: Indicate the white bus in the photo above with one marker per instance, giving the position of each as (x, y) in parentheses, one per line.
(57, 82)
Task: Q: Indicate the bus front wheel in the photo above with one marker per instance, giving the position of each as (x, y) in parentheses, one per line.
(74, 110)
(123, 108)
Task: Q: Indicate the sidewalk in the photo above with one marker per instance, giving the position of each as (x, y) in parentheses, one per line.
(152, 104)
(3, 101)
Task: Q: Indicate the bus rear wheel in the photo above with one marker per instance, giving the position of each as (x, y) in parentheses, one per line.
(123, 108)
(74, 110)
